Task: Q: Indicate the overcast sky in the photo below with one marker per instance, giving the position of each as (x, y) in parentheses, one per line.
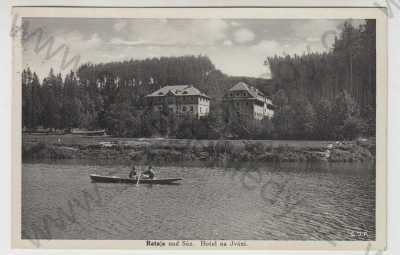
(236, 47)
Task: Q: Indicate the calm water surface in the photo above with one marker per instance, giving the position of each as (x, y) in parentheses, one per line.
(285, 202)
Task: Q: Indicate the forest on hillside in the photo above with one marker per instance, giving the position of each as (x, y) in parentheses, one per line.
(323, 96)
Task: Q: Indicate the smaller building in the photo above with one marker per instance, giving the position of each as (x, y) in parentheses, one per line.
(182, 100)
(248, 102)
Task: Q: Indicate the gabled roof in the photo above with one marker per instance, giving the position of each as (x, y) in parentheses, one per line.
(177, 90)
(254, 92)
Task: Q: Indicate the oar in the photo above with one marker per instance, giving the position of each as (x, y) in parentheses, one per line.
(140, 173)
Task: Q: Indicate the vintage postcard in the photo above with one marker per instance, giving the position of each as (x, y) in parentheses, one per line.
(199, 128)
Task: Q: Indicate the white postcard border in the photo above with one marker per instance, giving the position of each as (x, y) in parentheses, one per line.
(315, 13)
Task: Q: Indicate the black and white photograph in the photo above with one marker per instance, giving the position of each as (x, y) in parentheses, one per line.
(203, 132)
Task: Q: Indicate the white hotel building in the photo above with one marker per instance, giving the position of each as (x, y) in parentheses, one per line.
(182, 100)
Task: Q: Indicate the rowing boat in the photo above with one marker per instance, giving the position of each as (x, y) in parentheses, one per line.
(116, 179)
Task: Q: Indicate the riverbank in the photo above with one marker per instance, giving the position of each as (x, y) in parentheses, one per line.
(210, 203)
(58, 147)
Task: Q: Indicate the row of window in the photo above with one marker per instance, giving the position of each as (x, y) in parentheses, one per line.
(239, 104)
(244, 94)
(257, 114)
(184, 108)
(171, 100)
(238, 94)
(201, 110)
(270, 107)
(203, 99)
(247, 103)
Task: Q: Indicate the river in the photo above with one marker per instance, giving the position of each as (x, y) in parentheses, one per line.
(321, 201)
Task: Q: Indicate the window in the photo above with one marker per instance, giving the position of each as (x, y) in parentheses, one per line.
(184, 108)
(191, 108)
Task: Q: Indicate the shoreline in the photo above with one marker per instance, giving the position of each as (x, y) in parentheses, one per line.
(60, 147)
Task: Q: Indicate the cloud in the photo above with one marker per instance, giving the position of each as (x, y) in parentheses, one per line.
(118, 41)
(266, 75)
(267, 46)
(75, 41)
(272, 47)
(236, 47)
(78, 44)
(313, 39)
(194, 32)
(234, 24)
(94, 40)
(120, 25)
(243, 35)
(227, 43)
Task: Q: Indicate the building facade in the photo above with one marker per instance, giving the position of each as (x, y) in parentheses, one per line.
(248, 102)
(181, 100)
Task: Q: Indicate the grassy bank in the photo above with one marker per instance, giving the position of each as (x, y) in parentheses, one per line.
(44, 147)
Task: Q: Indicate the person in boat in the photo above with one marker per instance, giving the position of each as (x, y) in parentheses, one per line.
(132, 173)
(149, 172)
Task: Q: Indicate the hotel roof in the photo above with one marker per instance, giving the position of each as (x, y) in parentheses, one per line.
(254, 92)
(177, 90)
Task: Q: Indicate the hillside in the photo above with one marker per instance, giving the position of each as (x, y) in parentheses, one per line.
(325, 96)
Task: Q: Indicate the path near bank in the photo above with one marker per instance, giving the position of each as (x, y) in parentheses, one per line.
(185, 150)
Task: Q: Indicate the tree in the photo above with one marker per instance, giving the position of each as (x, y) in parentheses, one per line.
(353, 127)
(346, 120)
(283, 116)
(51, 92)
(27, 98)
(111, 95)
(121, 122)
(186, 128)
(303, 118)
(350, 65)
(323, 116)
(264, 130)
(72, 108)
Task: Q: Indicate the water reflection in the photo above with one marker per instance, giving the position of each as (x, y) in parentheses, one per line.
(290, 201)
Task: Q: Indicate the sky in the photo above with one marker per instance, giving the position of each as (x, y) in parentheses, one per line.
(236, 46)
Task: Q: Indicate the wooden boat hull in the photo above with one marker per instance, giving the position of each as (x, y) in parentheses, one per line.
(116, 179)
